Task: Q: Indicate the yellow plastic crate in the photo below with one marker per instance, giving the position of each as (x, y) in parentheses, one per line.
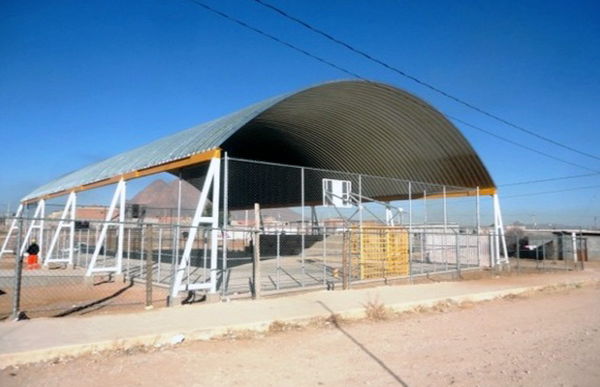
(379, 252)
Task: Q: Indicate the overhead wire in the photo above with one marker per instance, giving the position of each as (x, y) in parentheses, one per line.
(515, 143)
(550, 179)
(274, 38)
(551, 192)
(355, 75)
(419, 81)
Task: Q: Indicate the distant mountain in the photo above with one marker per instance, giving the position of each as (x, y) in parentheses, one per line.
(160, 194)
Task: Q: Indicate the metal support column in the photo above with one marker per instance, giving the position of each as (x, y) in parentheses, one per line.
(69, 211)
(13, 226)
(499, 228)
(444, 238)
(211, 181)
(478, 226)
(303, 236)
(37, 222)
(225, 222)
(425, 207)
(119, 197)
(410, 240)
(18, 268)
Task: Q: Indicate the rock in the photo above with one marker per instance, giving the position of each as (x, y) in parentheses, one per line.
(177, 339)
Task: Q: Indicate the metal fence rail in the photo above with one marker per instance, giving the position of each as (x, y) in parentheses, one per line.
(300, 258)
(304, 236)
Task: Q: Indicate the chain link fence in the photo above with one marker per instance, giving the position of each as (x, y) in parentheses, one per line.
(308, 237)
(323, 257)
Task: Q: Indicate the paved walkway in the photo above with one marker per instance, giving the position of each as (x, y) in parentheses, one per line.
(44, 339)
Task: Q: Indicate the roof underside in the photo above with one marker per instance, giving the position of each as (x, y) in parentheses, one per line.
(349, 126)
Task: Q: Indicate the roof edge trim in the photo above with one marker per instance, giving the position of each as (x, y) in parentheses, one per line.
(191, 160)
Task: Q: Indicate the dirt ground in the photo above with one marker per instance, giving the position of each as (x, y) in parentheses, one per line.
(551, 339)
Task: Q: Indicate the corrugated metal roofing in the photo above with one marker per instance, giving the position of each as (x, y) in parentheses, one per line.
(352, 126)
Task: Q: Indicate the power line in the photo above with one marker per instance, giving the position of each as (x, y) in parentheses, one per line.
(420, 82)
(548, 179)
(520, 145)
(337, 67)
(552, 192)
(269, 36)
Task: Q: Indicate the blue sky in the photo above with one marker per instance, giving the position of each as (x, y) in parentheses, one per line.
(82, 81)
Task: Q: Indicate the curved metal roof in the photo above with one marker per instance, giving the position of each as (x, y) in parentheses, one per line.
(350, 126)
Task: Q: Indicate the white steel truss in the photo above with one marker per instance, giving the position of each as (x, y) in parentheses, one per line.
(499, 242)
(70, 211)
(212, 181)
(119, 197)
(13, 227)
(37, 223)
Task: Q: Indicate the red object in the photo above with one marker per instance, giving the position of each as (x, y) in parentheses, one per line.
(32, 262)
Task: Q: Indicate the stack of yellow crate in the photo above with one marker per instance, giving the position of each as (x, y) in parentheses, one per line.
(379, 252)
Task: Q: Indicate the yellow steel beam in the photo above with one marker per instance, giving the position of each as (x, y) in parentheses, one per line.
(459, 194)
(196, 159)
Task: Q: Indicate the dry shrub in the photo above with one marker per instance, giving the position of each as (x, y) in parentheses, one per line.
(241, 334)
(376, 311)
(332, 320)
(443, 306)
(282, 326)
(515, 296)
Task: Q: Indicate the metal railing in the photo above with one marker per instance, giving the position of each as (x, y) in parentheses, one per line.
(289, 258)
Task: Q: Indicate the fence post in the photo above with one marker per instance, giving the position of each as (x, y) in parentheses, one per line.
(303, 235)
(224, 232)
(581, 248)
(544, 252)
(149, 264)
(345, 259)
(518, 248)
(278, 259)
(478, 225)
(457, 247)
(256, 277)
(410, 236)
(18, 271)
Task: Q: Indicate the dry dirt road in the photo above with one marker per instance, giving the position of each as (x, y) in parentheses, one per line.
(551, 339)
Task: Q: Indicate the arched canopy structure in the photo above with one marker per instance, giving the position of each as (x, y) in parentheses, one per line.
(350, 126)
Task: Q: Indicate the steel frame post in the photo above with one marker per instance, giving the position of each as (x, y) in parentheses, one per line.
(13, 226)
(38, 216)
(389, 217)
(360, 206)
(410, 241)
(500, 237)
(256, 269)
(278, 260)
(444, 238)
(303, 235)
(225, 221)
(177, 232)
(212, 180)
(425, 207)
(324, 230)
(118, 197)
(445, 211)
(478, 225)
(71, 210)
(18, 268)
(360, 236)
(214, 250)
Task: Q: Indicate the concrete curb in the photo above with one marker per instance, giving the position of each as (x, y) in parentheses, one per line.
(49, 354)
